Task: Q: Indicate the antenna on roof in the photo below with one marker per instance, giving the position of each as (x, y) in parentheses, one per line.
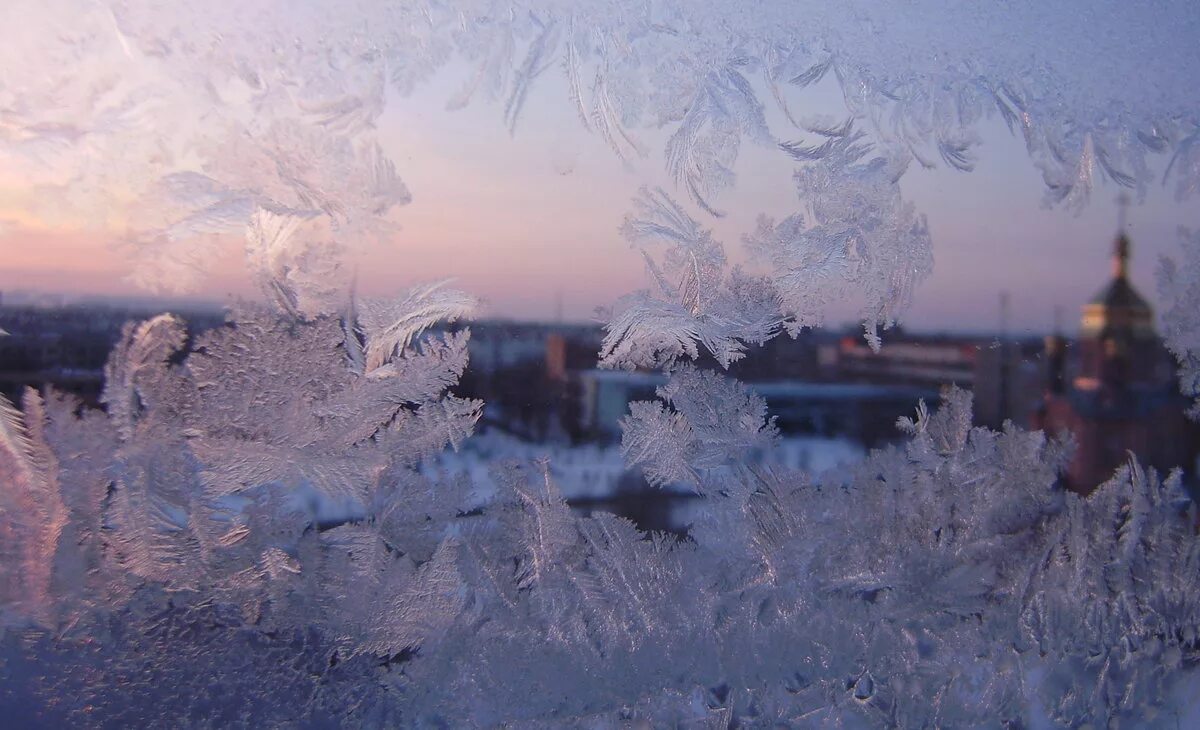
(1121, 244)
(1122, 206)
(1003, 395)
(1004, 302)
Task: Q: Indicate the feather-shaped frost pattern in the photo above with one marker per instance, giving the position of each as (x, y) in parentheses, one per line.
(297, 260)
(954, 547)
(384, 603)
(697, 301)
(1181, 324)
(148, 517)
(330, 432)
(632, 579)
(859, 239)
(137, 361)
(544, 45)
(547, 525)
(714, 422)
(14, 436)
(390, 326)
(416, 611)
(701, 154)
(32, 513)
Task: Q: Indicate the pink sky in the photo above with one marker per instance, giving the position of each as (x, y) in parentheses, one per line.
(522, 221)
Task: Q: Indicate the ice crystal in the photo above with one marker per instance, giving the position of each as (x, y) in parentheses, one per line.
(878, 595)
(696, 301)
(1180, 287)
(274, 108)
(714, 422)
(862, 240)
(162, 563)
(34, 515)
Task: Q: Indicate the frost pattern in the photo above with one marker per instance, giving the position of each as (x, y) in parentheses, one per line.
(164, 561)
(273, 108)
(695, 301)
(715, 422)
(947, 581)
(862, 237)
(1179, 285)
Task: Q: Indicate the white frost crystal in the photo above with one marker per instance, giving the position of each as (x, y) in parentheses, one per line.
(159, 565)
(1179, 284)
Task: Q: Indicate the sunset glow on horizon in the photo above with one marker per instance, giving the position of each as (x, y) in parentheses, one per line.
(528, 222)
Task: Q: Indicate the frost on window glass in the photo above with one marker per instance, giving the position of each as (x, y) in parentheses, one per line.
(254, 530)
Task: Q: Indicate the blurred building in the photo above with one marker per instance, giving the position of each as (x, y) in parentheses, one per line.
(1123, 397)
(1004, 374)
(66, 346)
(925, 360)
(861, 413)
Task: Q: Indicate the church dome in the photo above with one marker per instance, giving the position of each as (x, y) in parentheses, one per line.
(1120, 293)
(1118, 307)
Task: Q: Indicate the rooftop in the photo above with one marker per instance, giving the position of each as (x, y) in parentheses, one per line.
(1120, 293)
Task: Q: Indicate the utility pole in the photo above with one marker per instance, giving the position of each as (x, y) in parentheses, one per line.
(1003, 411)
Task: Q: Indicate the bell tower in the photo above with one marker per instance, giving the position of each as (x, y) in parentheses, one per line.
(1117, 339)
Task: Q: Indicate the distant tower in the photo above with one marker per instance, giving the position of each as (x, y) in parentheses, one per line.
(1005, 356)
(1121, 400)
(1117, 339)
